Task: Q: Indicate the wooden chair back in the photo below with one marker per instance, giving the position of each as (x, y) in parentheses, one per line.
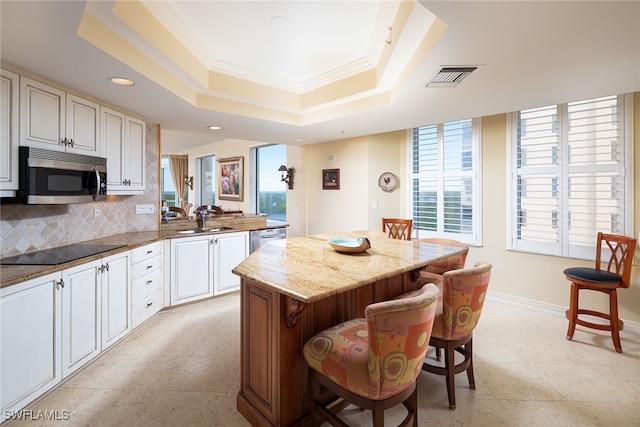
(397, 228)
(622, 250)
(181, 212)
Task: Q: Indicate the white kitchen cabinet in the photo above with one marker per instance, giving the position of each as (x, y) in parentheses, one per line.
(123, 140)
(191, 268)
(116, 309)
(30, 331)
(81, 316)
(54, 120)
(9, 138)
(230, 249)
(146, 286)
(82, 129)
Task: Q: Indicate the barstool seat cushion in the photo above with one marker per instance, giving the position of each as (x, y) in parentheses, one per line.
(592, 275)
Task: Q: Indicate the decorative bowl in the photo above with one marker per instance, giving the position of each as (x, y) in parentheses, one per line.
(343, 244)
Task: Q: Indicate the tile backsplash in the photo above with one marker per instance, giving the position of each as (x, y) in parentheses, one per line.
(28, 228)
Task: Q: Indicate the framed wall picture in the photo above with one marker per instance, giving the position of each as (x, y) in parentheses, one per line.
(330, 179)
(230, 179)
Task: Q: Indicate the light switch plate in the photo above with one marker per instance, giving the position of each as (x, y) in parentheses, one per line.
(144, 209)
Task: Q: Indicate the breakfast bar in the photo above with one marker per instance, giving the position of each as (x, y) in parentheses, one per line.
(292, 289)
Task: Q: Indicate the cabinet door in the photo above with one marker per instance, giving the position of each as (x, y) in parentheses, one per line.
(29, 334)
(112, 131)
(80, 316)
(115, 282)
(230, 249)
(191, 269)
(42, 115)
(82, 126)
(135, 158)
(9, 86)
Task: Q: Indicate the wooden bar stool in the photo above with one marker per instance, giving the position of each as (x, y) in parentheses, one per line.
(616, 275)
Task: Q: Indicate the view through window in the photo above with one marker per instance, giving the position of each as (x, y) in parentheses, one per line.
(445, 189)
(271, 196)
(168, 189)
(206, 172)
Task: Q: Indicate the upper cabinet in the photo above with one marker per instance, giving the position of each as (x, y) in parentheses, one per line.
(54, 120)
(9, 141)
(123, 139)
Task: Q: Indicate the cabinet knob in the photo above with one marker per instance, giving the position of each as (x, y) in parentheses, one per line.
(149, 304)
(70, 142)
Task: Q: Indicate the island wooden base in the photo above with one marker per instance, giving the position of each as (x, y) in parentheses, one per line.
(274, 327)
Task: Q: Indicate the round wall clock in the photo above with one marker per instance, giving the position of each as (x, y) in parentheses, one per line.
(388, 182)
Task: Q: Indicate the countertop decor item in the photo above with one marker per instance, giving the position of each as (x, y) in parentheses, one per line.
(342, 244)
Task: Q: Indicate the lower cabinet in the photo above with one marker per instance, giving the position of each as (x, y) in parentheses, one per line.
(30, 331)
(230, 249)
(53, 325)
(191, 269)
(201, 265)
(146, 285)
(115, 281)
(81, 315)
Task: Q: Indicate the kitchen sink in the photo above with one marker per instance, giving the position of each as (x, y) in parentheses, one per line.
(204, 230)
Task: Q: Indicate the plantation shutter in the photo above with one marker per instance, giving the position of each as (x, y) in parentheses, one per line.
(444, 181)
(569, 176)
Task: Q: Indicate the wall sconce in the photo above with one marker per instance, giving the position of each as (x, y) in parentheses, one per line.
(188, 181)
(288, 178)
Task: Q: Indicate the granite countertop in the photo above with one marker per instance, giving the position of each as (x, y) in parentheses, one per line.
(13, 274)
(285, 265)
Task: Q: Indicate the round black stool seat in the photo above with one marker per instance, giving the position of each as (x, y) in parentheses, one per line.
(592, 275)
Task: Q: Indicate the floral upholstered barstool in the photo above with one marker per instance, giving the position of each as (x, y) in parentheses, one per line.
(372, 362)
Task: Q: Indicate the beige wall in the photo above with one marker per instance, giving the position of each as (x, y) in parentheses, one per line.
(361, 162)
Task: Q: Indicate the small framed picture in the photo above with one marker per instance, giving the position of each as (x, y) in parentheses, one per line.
(230, 179)
(330, 179)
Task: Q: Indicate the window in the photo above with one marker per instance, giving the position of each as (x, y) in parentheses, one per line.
(270, 196)
(445, 188)
(168, 189)
(571, 175)
(206, 171)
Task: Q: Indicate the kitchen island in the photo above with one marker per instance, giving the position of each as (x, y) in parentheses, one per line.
(292, 289)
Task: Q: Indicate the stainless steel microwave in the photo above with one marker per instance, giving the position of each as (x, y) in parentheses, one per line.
(54, 178)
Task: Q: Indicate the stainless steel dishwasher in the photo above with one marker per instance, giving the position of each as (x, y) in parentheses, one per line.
(258, 238)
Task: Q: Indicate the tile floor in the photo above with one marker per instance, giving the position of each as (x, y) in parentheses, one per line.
(182, 369)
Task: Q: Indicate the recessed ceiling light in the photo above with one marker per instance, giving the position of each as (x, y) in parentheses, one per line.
(299, 140)
(121, 81)
(214, 127)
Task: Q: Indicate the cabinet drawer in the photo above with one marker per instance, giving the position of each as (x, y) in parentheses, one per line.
(145, 285)
(146, 266)
(145, 252)
(146, 308)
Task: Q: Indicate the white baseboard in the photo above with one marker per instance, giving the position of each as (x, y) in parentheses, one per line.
(552, 309)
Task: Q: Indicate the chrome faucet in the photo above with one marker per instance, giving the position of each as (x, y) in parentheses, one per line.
(203, 216)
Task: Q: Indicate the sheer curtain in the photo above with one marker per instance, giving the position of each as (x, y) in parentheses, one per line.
(179, 166)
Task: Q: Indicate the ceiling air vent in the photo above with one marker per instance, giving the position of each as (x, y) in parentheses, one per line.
(450, 76)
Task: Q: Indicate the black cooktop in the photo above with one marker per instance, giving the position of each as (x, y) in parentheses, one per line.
(59, 255)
